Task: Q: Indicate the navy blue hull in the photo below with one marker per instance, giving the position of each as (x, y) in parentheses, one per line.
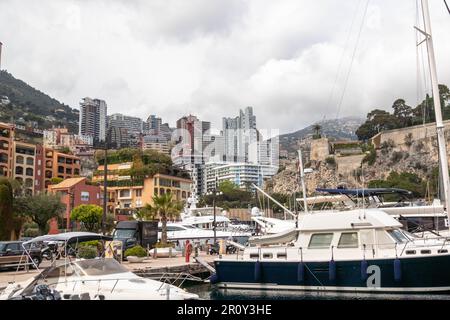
(422, 274)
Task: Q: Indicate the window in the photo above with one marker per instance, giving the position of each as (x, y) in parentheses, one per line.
(4, 157)
(138, 192)
(124, 193)
(281, 255)
(30, 161)
(398, 236)
(4, 145)
(13, 247)
(320, 241)
(348, 240)
(84, 196)
(19, 159)
(29, 172)
(267, 255)
(19, 170)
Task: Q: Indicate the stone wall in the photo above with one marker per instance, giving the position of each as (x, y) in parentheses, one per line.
(347, 165)
(320, 149)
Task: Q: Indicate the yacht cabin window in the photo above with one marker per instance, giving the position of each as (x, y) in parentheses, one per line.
(398, 236)
(348, 240)
(320, 241)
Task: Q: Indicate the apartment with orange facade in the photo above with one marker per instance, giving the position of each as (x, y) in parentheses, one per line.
(32, 164)
(58, 165)
(126, 195)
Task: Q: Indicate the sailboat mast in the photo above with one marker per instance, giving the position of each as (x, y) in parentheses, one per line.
(302, 179)
(437, 107)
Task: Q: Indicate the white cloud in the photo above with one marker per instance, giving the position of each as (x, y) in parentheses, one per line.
(210, 58)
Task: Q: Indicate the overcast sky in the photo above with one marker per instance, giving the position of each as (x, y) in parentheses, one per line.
(210, 58)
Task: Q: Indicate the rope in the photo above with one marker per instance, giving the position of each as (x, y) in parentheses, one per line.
(352, 59)
(342, 56)
(446, 5)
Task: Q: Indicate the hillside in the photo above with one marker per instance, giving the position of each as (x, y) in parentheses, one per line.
(33, 107)
(339, 129)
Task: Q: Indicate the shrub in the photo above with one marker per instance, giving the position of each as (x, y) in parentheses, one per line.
(371, 157)
(137, 251)
(396, 156)
(167, 245)
(31, 232)
(330, 161)
(87, 252)
(408, 139)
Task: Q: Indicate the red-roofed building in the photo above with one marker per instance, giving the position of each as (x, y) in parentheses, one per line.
(74, 192)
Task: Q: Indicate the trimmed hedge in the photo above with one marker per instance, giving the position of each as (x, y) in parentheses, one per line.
(137, 251)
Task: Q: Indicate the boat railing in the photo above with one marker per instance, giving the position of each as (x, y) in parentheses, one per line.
(99, 281)
(367, 249)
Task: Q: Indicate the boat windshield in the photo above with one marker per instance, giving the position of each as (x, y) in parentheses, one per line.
(188, 226)
(398, 236)
(99, 267)
(410, 235)
(124, 233)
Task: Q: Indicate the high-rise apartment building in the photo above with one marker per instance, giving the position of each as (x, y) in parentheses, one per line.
(118, 120)
(241, 137)
(93, 119)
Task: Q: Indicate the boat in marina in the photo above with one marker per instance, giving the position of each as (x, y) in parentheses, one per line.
(416, 216)
(89, 279)
(358, 250)
(182, 231)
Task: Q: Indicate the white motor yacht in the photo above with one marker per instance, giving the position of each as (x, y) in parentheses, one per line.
(90, 279)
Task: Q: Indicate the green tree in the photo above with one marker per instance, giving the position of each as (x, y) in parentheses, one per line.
(164, 206)
(89, 215)
(403, 180)
(40, 208)
(6, 209)
(403, 113)
(56, 180)
(316, 129)
(377, 120)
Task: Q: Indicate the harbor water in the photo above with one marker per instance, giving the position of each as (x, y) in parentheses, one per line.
(210, 292)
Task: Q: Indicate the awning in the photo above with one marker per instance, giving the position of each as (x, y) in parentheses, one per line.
(69, 237)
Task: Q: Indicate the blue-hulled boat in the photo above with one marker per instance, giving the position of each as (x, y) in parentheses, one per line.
(358, 250)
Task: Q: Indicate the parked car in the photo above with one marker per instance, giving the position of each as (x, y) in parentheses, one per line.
(12, 254)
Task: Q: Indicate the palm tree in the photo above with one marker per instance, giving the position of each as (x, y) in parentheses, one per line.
(164, 207)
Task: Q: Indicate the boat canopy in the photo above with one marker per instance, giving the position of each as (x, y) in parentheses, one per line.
(69, 237)
(354, 219)
(367, 192)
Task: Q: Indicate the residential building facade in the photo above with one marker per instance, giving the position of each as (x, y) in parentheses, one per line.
(6, 149)
(126, 195)
(93, 119)
(75, 192)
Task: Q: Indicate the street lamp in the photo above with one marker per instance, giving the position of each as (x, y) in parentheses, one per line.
(214, 193)
(104, 145)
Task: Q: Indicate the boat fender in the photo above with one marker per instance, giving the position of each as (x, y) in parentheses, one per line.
(332, 270)
(364, 270)
(300, 272)
(214, 278)
(397, 269)
(258, 268)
